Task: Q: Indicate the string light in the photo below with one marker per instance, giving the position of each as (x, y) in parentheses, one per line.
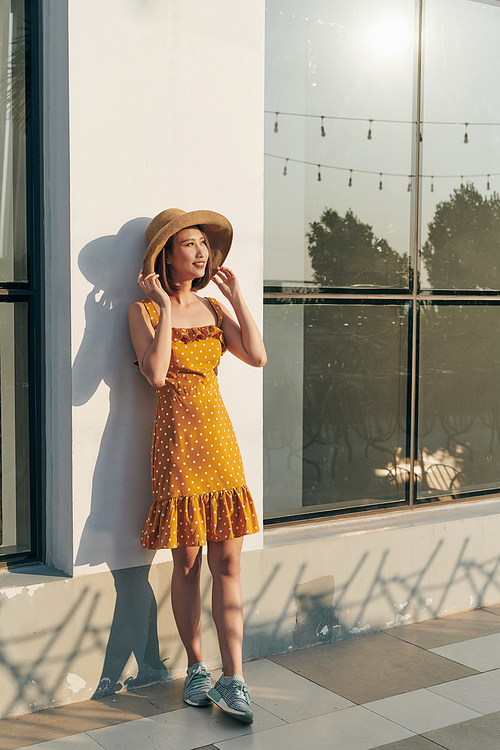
(466, 137)
(276, 123)
(369, 136)
(410, 177)
(322, 129)
(365, 119)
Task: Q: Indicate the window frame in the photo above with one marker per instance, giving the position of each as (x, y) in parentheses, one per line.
(31, 292)
(417, 298)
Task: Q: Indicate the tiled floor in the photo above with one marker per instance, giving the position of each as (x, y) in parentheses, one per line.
(418, 687)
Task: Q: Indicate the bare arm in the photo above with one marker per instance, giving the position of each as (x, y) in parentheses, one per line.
(243, 339)
(153, 348)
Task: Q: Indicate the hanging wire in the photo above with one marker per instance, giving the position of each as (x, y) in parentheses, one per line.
(432, 184)
(276, 123)
(387, 174)
(377, 119)
(319, 172)
(466, 136)
(409, 183)
(369, 136)
(285, 171)
(380, 183)
(488, 183)
(322, 129)
(350, 178)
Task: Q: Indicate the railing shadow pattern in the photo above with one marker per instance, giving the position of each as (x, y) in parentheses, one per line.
(35, 661)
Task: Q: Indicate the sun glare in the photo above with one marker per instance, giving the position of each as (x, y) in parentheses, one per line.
(390, 37)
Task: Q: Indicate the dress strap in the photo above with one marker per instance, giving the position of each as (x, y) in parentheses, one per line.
(218, 310)
(153, 315)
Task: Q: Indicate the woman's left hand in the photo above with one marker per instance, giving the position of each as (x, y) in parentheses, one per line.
(226, 281)
(243, 338)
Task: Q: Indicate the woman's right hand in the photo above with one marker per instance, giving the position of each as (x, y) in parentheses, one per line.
(152, 347)
(150, 285)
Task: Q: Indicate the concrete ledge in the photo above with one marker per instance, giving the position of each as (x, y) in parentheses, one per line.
(27, 576)
(420, 515)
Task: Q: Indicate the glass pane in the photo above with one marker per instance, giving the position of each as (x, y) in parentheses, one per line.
(459, 416)
(13, 265)
(461, 145)
(283, 389)
(14, 471)
(338, 194)
(335, 407)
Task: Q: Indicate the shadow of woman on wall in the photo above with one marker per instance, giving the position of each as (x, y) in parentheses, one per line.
(121, 483)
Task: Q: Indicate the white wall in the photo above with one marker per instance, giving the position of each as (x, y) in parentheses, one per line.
(165, 109)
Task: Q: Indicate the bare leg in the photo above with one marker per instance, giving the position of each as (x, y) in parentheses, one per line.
(186, 599)
(227, 602)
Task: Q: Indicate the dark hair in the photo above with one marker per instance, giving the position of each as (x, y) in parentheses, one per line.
(162, 268)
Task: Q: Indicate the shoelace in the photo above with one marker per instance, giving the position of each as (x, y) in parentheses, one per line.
(242, 691)
(198, 676)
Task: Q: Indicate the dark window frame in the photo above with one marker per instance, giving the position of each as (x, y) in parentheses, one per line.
(32, 291)
(417, 298)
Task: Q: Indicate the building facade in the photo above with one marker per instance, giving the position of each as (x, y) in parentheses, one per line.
(362, 194)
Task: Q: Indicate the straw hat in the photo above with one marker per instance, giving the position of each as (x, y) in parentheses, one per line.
(217, 228)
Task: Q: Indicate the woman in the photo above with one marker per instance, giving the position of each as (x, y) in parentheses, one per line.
(199, 490)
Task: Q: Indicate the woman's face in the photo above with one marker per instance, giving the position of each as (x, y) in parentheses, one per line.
(189, 255)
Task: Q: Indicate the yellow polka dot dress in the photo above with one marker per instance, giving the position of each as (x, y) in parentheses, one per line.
(199, 488)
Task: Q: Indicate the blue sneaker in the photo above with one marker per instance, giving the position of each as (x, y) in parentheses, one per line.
(233, 696)
(197, 684)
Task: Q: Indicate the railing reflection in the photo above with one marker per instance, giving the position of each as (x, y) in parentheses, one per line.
(353, 358)
(342, 411)
(459, 414)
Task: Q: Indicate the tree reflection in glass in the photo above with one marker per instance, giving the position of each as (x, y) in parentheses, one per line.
(461, 112)
(344, 252)
(461, 251)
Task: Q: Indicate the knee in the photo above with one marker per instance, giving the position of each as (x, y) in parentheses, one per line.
(226, 565)
(188, 569)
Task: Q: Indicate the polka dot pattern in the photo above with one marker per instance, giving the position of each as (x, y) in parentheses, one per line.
(199, 488)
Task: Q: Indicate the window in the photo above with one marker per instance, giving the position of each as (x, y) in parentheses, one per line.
(382, 271)
(20, 299)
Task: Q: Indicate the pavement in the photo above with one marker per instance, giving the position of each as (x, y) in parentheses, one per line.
(431, 685)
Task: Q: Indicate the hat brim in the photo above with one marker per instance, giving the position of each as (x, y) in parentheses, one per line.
(217, 228)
